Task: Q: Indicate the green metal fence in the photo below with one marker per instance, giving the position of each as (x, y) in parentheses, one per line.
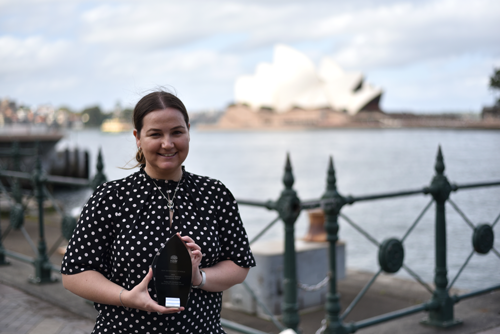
(36, 188)
(288, 206)
(440, 307)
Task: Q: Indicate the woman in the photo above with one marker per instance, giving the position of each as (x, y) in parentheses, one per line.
(127, 222)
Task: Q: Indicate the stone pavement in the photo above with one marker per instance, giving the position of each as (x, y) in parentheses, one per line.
(21, 313)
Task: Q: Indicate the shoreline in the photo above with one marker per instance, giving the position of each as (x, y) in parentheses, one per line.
(243, 118)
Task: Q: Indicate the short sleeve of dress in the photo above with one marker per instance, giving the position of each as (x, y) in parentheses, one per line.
(232, 235)
(89, 247)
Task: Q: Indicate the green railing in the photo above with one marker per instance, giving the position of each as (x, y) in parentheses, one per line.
(36, 184)
(19, 199)
(390, 252)
(289, 206)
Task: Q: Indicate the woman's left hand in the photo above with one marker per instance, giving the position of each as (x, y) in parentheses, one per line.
(196, 256)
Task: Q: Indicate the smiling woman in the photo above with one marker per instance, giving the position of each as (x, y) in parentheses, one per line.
(164, 142)
(127, 222)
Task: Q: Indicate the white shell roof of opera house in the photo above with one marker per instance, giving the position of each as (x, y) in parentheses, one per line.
(292, 80)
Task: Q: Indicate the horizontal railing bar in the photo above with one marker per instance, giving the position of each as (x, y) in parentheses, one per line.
(311, 204)
(270, 205)
(476, 185)
(22, 152)
(27, 259)
(18, 175)
(307, 205)
(72, 181)
(18, 256)
(239, 328)
(456, 299)
(352, 199)
(393, 315)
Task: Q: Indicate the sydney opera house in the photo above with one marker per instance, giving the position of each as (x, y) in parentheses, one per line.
(292, 80)
(293, 92)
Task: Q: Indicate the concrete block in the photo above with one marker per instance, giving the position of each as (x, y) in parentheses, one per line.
(266, 279)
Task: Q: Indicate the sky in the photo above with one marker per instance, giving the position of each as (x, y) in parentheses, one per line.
(427, 55)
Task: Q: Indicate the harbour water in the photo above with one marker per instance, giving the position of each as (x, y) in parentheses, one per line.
(367, 161)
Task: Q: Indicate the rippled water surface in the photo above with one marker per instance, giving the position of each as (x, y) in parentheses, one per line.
(366, 162)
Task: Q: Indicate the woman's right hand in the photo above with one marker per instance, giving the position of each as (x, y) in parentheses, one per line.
(140, 299)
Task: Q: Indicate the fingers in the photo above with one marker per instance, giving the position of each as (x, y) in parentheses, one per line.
(194, 248)
(167, 310)
(190, 242)
(147, 278)
(139, 298)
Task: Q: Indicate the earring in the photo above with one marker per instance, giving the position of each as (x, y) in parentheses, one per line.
(139, 156)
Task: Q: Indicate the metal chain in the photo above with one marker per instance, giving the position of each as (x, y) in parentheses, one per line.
(322, 328)
(314, 287)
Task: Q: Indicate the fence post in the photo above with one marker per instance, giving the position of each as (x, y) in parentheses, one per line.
(42, 263)
(288, 207)
(332, 204)
(440, 190)
(16, 156)
(3, 261)
(99, 177)
(18, 211)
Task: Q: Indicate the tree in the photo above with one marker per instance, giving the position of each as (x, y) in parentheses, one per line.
(127, 114)
(95, 116)
(495, 81)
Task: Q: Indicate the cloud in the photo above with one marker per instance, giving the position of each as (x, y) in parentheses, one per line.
(104, 50)
(387, 33)
(32, 54)
(405, 33)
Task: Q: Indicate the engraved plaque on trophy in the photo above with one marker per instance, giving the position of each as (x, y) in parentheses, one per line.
(172, 273)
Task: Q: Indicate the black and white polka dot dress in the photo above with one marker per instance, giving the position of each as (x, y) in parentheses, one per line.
(126, 222)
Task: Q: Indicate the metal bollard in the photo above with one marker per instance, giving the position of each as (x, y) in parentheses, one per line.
(288, 207)
(43, 272)
(333, 203)
(99, 177)
(440, 190)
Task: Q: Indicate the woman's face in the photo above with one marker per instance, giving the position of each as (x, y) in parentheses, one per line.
(164, 139)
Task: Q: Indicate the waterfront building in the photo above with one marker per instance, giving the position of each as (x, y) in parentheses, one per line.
(293, 81)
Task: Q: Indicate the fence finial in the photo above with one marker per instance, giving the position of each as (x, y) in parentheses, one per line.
(99, 177)
(331, 179)
(439, 166)
(288, 178)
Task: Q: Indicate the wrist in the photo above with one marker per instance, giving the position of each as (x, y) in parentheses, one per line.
(121, 296)
(203, 280)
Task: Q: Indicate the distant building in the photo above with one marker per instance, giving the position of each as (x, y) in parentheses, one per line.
(292, 81)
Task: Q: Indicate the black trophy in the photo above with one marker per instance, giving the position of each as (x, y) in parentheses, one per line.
(172, 273)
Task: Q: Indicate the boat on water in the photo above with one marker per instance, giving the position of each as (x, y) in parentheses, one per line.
(116, 125)
(27, 135)
(28, 140)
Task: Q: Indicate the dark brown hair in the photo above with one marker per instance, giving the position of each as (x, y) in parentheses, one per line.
(157, 100)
